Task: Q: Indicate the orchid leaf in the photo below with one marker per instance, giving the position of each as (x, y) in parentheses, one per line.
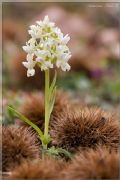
(65, 152)
(23, 118)
(55, 152)
(52, 86)
(52, 93)
(52, 101)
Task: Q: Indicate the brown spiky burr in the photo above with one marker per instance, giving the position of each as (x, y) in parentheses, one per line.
(33, 108)
(18, 144)
(94, 164)
(85, 128)
(62, 104)
(45, 169)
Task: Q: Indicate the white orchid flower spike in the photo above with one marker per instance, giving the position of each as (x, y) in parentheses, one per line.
(46, 47)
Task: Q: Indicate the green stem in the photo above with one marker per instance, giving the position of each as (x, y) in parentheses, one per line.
(46, 103)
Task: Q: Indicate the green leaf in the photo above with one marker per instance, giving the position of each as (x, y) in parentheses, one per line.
(51, 103)
(55, 152)
(23, 118)
(11, 115)
(52, 93)
(52, 151)
(65, 152)
(52, 86)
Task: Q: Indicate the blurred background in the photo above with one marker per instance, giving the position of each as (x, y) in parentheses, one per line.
(94, 79)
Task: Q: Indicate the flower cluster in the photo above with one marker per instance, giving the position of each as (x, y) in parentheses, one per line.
(46, 47)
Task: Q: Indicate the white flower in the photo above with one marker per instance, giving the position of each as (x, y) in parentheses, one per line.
(29, 48)
(64, 65)
(30, 66)
(35, 31)
(67, 57)
(65, 39)
(46, 47)
(30, 57)
(30, 72)
(45, 22)
(46, 65)
(42, 54)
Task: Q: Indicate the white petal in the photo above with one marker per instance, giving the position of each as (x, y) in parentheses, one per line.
(28, 49)
(66, 39)
(46, 19)
(49, 64)
(32, 27)
(30, 72)
(32, 41)
(43, 67)
(24, 48)
(67, 57)
(30, 57)
(65, 67)
(25, 64)
(29, 64)
(68, 67)
(38, 59)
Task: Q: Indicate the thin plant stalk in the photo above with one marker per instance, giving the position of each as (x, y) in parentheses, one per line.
(46, 102)
(47, 79)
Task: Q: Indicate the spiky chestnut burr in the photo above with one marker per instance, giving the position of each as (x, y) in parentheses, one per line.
(85, 128)
(94, 164)
(45, 169)
(18, 144)
(33, 108)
